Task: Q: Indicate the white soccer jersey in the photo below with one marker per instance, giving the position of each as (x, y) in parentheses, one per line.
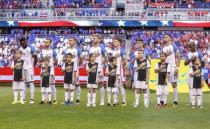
(97, 50)
(191, 54)
(49, 53)
(119, 54)
(171, 59)
(74, 52)
(207, 57)
(27, 56)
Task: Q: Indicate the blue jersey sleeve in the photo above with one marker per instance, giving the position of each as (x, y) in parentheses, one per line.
(54, 54)
(122, 52)
(33, 51)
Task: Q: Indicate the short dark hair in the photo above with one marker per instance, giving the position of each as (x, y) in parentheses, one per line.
(118, 39)
(140, 40)
(22, 39)
(162, 53)
(112, 59)
(69, 54)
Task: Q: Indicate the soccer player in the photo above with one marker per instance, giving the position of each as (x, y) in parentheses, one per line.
(75, 58)
(30, 58)
(70, 74)
(141, 66)
(174, 61)
(119, 53)
(192, 54)
(99, 52)
(207, 66)
(162, 69)
(140, 44)
(47, 78)
(18, 79)
(112, 84)
(197, 82)
(51, 54)
(93, 70)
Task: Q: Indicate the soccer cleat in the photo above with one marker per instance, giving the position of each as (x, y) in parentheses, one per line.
(88, 105)
(66, 103)
(15, 102)
(22, 102)
(123, 104)
(161, 103)
(50, 102)
(101, 104)
(158, 105)
(31, 101)
(165, 106)
(77, 101)
(115, 104)
(94, 105)
(108, 104)
(175, 103)
(71, 103)
(42, 102)
(135, 106)
(193, 107)
(55, 102)
(200, 106)
(146, 106)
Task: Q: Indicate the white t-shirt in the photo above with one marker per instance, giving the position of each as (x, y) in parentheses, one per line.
(97, 50)
(171, 59)
(74, 52)
(27, 56)
(49, 53)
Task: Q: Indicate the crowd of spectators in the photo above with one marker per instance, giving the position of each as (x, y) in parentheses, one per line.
(153, 40)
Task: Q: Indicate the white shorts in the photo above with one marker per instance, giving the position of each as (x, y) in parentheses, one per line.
(92, 86)
(140, 85)
(195, 91)
(69, 86)
(162, 90)
(18, 85)
(46, 89)
(112, 89)
(29, 75)
(172, 77)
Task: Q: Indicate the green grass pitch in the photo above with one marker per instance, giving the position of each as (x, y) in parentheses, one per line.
(101, 117)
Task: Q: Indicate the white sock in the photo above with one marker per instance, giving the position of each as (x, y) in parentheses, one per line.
(193, 100)
(89, 97)
(54, 92)
(109, 96)
(122, 89)
(94, 98)
(15, 95)
(32, 90)
(175, 94)
(165, 99)
(159, 99)
(137, 96)
(145, 99)
(21, 95)
(49, 96)
(102, 94)
(135, 92)
(115, 98)
(72, 96)
(25, 90)
(148, 95)
(66, 96)
(78, 91)
(43, 96)
(199, 100)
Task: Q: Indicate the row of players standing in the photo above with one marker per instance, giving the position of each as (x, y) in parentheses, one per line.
(167, 69)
